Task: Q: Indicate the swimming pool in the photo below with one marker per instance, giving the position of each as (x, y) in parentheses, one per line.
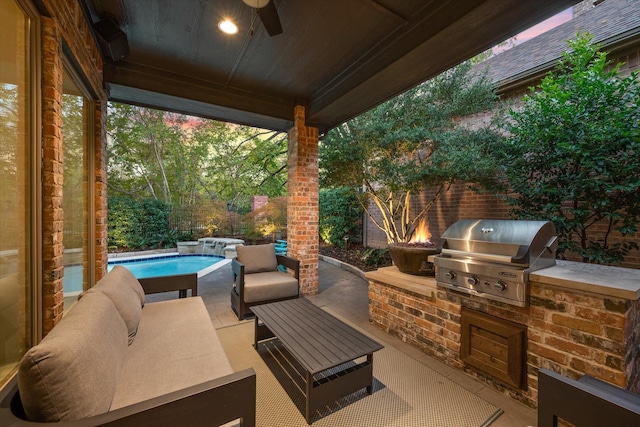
(167, 265)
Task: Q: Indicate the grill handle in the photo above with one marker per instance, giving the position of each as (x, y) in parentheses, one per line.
(551, 243)
(520, 258)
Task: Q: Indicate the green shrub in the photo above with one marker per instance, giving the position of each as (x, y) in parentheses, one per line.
(375, 257)
(573, 155)
(139, 224)
(340, 216)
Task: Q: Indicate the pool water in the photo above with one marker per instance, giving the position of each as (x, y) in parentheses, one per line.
(168, 265)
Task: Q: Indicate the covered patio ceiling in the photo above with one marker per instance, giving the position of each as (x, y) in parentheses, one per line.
(338, 58)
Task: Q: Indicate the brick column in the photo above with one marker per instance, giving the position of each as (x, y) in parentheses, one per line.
(101, 230)
(52, 159)
(302, 205)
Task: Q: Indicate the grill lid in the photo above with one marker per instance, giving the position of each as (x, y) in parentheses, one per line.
(504, 241)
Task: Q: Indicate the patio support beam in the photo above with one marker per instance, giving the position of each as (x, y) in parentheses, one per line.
(302, 201)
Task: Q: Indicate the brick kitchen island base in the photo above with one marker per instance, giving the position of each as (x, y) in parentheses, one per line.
(581, 319)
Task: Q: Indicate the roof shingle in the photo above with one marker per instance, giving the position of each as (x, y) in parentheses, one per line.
(610, 22)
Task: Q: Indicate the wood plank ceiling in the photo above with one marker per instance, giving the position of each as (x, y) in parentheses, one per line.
(338, 58)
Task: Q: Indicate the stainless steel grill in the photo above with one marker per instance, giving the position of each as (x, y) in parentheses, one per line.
(493, 258)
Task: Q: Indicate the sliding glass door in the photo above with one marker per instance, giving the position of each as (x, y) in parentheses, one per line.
(17, 183)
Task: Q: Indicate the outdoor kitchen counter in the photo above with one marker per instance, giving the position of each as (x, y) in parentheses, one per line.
(422, 285)
(600, 279)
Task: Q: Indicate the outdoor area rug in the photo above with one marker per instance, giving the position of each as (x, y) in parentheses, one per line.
(405, 392)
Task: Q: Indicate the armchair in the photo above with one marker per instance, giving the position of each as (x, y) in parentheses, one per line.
(257, 279)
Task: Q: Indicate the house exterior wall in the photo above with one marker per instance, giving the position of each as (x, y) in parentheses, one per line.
(52, 164)
(66, 26)
(457, 203)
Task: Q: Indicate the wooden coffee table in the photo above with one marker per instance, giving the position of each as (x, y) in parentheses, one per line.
(318, 341)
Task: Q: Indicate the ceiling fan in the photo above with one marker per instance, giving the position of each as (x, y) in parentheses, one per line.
(268, 14)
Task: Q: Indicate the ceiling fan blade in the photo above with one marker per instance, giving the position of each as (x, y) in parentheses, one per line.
(269, 17)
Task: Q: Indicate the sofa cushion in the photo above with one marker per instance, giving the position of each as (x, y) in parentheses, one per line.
(72, 373)
(124, 274)
(257, 258)
(176, 347)
(269, 285)
(119, 287)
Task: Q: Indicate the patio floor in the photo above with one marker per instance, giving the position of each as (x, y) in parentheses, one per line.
(346, 294)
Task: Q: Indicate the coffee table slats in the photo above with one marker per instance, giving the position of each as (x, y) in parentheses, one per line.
(326, 341)
(334, 336)
(298, 345)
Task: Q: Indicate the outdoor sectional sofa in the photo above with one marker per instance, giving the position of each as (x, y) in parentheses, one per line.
(114, 360)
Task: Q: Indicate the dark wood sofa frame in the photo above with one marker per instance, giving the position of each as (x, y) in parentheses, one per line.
(211, 403)
(239, 306)
(586, 402)
(178, 282)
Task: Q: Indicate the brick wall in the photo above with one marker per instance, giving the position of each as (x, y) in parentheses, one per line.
(52, 218)
(258, 202)
(569, 332)
(302, 207)
(100, 185)
(67, 25)
(457, 203)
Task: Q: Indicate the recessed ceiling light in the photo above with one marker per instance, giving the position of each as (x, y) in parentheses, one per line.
(228, 27)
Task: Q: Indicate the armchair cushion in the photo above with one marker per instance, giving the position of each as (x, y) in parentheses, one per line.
(257, 258)
(269, 286)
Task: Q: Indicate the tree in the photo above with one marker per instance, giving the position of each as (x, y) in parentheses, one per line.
(184, 160)
(410, 143)
(149, 155)
(241, 162)
(573, 154)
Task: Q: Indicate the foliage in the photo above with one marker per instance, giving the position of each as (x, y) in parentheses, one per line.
(375, 257)
(205, 170)
(135, 224)
(148, 157)
(241, 162)
(74, 183)
(340, 215)
(214, 217)
(12, 148)
(267, 222)
(184, 160)
(574, 154)
(410, 143)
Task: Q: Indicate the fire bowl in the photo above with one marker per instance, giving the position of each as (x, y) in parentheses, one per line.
(411, 258)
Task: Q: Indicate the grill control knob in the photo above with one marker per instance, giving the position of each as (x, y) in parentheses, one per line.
(451, 275)
(500, 286)
(473, 280)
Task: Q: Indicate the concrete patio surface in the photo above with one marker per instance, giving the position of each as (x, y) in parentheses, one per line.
(345, 292)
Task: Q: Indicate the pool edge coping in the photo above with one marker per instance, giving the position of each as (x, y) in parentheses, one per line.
(201, 273)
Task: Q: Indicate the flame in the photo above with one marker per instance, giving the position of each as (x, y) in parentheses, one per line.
(421, 234)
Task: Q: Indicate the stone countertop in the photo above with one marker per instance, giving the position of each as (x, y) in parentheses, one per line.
(422, 285)
(599, 279)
